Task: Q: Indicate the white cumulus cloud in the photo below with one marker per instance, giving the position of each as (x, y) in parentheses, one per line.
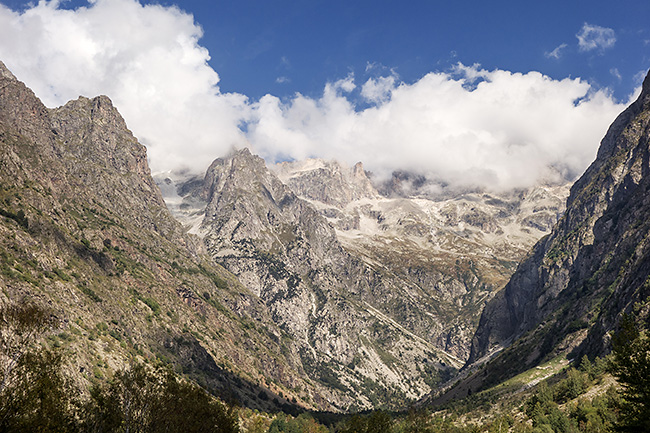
(377, 90)
(469, 126)
(592, 37)
(145, 58)
(495, 129)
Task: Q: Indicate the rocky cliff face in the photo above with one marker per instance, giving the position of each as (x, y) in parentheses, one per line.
(357, 277)
(334, 306)
(594, 265)
(327, 182)
(84, 229)
(450, 252)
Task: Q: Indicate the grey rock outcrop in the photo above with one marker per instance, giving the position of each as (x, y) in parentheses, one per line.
(448, 254)
(326, 181)
(343, 315)
(351, 274)
(6, 73)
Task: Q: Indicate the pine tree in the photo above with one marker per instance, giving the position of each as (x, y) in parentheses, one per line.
(631, 366)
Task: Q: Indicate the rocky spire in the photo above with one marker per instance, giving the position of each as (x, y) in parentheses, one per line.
(6, 73)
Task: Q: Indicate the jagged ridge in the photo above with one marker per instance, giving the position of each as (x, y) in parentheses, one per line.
(332, 303)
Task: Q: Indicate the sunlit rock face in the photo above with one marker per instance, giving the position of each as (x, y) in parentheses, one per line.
(353, 274)
(450, 249)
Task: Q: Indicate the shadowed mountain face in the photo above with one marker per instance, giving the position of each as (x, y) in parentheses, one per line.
(571, 289)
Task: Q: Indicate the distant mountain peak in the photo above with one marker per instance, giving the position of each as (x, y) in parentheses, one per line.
(330, 182)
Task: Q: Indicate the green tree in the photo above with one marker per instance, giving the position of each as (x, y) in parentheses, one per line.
(21, 326)
(571, 387)
(501, 424)
(303, 423)
(125, 406)
(355, 424)
(34, 396)
(587, 367)
(631, 366)
(417, 421)
(376, 422)
(185, 407)
(380, 422)
(40, 401)
(143, 400)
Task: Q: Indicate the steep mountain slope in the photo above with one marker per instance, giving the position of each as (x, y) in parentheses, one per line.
(84, 229)
(455, 250)
(355, 277)
(350, 323)
(595, 265)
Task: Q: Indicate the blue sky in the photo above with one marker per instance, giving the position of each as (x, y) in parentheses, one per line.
(253, 43)
(282, 47)
(346, 80)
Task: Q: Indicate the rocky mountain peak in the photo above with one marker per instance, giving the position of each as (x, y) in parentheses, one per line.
(248, 202)
(613, 139)
(100, 110)
(329, 182)
(240, 166)
(94, 126)
(21, 111)
(6, 73)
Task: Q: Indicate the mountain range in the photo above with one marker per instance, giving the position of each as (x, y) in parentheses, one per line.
(369, 285)
(311, 284)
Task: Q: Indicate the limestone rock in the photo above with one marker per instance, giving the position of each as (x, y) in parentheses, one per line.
(448, 253)
(347, 320)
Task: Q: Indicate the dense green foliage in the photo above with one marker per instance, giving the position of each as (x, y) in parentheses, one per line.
(33, 393)
(631, 366)
(301, 424)
(559, 404)
(139, 400)
(37, 398)
(376, 422)
(143, 399)
(596, 414)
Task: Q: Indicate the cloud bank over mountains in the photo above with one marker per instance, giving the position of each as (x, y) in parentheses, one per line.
(466, 126)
